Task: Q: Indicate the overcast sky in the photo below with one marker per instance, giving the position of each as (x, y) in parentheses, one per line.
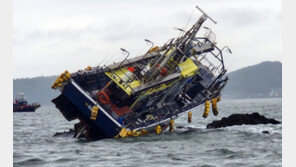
(51, 36)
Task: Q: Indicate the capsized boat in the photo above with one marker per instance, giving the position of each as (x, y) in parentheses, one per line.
(20, 104)
(144, 94)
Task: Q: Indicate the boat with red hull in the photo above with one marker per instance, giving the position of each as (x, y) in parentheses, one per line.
(20, 104)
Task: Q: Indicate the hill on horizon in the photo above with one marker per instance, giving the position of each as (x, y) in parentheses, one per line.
(256, 81)
(36, 89)
(260, 80)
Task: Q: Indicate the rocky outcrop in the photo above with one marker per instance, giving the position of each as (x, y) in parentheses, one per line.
(242, 119)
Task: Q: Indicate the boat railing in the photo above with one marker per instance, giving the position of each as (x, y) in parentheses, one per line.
(215, 69)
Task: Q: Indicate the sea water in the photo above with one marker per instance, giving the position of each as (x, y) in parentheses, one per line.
(246, 145)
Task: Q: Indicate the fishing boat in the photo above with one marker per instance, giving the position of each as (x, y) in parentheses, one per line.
(144, 94)
(20, 104)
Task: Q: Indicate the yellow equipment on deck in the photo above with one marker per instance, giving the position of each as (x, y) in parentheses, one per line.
(117, 77)
(188, 68)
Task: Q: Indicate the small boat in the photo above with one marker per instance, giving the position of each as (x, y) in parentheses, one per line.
(144, 94)
(20, 104)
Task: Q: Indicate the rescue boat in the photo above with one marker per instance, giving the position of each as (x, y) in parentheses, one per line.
(20, 104)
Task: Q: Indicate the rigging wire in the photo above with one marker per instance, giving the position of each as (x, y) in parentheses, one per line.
(112, 57)
(102, 60)
(184, 28)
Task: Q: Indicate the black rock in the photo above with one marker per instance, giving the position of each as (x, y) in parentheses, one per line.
(266, 132)
(242, 119)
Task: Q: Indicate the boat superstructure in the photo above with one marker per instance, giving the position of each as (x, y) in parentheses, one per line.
(144, 94)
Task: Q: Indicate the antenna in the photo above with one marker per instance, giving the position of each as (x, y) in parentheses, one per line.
(206, 14)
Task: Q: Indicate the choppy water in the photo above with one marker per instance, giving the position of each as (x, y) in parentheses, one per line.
(33, 144)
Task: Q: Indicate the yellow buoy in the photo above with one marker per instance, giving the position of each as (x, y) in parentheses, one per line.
(55, 84)
(60, 85)
(123, 132)
(136, 133)
(189, 117)
(207, 109)
(214, 106)
(129, 133)
(94, 113)
(218, 99)
(68, 75)
(88, 68)
(144, 132)
(65, 78)
(95, 108)
(158, 129)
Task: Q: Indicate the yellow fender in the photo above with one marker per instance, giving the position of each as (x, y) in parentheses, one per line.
(122, 133)
(62, 78)
(94, 113)
(172, 123)
(144, 132)
(207, 109)
(218, 99)
(214, 106)
(136, 133)
(189, 117)
(158, 129)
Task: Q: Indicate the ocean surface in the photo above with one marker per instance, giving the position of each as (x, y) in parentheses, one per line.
(246, 145)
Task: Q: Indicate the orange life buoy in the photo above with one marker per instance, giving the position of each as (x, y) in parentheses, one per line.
(103, 97)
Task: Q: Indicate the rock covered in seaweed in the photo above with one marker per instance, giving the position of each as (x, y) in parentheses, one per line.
(242, 119)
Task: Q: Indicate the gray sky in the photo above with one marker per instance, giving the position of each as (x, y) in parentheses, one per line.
(51, 36)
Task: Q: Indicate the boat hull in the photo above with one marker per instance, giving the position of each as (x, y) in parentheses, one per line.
(25, 108)
(104, 126)
(76, 103)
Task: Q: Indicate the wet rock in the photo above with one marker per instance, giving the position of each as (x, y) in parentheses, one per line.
(266, 132)
(180, 127)
(242, 119)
